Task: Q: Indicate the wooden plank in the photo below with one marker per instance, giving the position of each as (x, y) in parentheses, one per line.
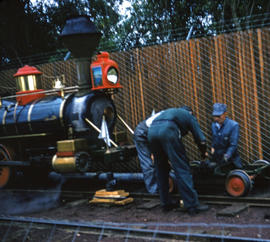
(259, 34)
(125, 201)
(148, 79)
(230, 84)
(233, 210)
(189, 75)
(246, 78)
(184, 71)
(221, 47)
(242, 99)
(200, 109)
(149, 204)
(175, 73)
(117, 193)
(194, 76)
(112, 201)
(133, 91)
(141, 93)
(212, 63)
(263, 78)
(217, 72)
(255, 93)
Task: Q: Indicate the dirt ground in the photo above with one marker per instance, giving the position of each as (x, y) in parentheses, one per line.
(145, 210)
(252, 222)
(135, 212)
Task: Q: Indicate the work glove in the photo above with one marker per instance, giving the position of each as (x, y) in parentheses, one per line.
(203, 148)
(225, 159)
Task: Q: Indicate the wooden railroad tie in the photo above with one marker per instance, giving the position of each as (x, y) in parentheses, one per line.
(117, 197)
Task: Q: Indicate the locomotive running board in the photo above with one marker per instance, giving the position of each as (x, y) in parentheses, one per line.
(14, 163)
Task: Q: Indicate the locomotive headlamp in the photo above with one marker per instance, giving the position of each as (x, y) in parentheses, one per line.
(104, 73)
(112, 75)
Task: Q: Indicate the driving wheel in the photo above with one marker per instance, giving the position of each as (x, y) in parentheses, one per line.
(5, 171)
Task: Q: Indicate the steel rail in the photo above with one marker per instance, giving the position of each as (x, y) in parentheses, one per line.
(210, 199)
(132, 230)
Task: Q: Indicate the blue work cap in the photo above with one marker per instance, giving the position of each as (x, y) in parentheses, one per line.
(219, 109)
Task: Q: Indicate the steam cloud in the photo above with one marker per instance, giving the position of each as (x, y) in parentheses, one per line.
(31, 201)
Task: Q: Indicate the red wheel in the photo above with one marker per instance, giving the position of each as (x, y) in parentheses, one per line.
(238, 183)
(5, 171)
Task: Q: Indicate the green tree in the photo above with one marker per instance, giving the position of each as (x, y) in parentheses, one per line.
(36, 29)
(158, 21)
(28, 30)
(244, 14)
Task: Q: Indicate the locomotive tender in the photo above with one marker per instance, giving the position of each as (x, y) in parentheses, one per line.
(56, 130)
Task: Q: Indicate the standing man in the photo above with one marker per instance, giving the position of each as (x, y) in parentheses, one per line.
(165, 140)
(225, 135)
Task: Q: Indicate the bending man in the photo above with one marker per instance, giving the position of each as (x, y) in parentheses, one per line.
(165, 140)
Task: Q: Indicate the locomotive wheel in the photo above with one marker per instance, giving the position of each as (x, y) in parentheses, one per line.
(238, 183)
(261, 162)
(5, 171)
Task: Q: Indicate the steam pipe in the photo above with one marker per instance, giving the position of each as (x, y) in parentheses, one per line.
(126, 177)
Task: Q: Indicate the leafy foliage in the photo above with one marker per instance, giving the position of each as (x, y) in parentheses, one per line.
(36, 29)
(28, 30)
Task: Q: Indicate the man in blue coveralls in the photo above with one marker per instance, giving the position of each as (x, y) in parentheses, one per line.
(165, 141)
(144, 153)
(225, 135)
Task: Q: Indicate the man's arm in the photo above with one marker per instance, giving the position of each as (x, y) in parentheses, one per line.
(233, 140)
(199, 137)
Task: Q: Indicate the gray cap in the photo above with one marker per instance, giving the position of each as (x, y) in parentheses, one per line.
(219, 109)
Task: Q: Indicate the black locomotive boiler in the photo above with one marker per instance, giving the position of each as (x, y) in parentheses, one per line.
(58, 129)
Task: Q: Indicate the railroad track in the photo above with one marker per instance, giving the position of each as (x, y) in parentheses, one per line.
(210, 199)
(70, 195)
(62, 230)
(31, 228)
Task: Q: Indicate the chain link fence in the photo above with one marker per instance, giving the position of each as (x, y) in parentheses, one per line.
(231, 68)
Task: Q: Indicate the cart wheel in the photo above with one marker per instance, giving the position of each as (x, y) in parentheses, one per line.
(171, 185)
(238, 183)
(266, 171)
(5, 171)
(261, 162)
(195, 163)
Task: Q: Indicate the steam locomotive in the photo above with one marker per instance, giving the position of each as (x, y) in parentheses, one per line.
(58, 130)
